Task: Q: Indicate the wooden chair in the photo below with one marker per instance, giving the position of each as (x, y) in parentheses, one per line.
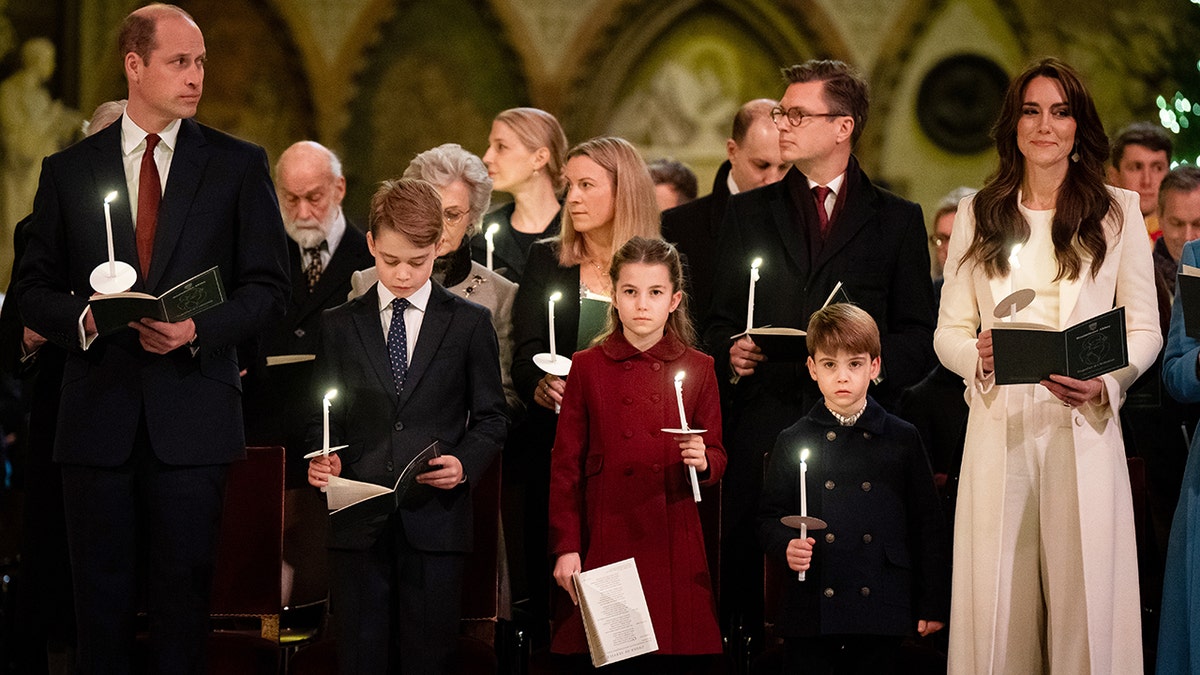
(246, 582)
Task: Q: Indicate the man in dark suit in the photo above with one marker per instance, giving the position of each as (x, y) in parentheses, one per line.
(412, 364)
(150, 415)
(823, 223)
(324, 250)
(695, 227)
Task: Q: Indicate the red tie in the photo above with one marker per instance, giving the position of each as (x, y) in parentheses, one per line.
(149, 196)
(820, 192)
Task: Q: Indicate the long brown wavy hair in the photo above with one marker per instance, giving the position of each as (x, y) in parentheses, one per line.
(1082, 203)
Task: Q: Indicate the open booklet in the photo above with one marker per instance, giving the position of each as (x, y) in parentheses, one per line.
(787, 345)
(1188, 287)
(354, 504)
(615, 616)
(1027, 353)
(114, 311)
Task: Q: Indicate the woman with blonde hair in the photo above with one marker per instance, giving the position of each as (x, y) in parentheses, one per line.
(525, 156)
(609, 200)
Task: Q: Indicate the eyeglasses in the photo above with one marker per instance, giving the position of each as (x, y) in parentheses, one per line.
(938, 240)
(453, 217)
(796, 116)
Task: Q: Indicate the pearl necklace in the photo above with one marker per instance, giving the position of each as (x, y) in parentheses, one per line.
(847, 420)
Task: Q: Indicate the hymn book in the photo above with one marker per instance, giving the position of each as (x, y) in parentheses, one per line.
(358, 508)
(616, 618)
(115, 311)
(788, 345)
(1027, 353)
(1188, 288)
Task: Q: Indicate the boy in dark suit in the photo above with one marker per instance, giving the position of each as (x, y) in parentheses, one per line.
(412, 364)
(880, 571)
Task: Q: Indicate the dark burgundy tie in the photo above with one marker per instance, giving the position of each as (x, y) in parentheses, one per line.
(149, 197)
(820, 192)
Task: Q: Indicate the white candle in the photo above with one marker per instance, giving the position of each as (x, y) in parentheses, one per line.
(491, 244)
(329, 395)
(750, 302)
(112, 258)
(554, 297)
(803, 498)
(1014, 264)
(683, 424)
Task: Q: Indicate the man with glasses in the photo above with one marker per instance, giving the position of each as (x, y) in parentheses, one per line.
(323, 251)
(823, 223)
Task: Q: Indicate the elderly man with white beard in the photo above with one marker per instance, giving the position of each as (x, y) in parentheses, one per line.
(323, 251)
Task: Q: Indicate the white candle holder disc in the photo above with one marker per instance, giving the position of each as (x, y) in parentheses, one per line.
(555, 364)
(123, 279)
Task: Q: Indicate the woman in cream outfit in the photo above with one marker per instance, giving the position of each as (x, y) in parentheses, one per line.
(1045, 569)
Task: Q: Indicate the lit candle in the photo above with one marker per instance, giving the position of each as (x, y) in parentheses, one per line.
(329, 395)
(803, 498)
(692, 477)
(554, 297)
(112, 258)
(491, 244)
(750, 302)
(1014, 264)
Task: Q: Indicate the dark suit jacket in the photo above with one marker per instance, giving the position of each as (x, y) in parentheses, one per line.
(872, 484)
(877, 248)
(695, 228)
(452, 394)
(218, 209)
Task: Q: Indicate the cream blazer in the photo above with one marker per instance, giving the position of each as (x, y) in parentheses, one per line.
(968, 297)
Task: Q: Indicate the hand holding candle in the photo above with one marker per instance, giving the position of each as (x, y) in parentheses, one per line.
(491, 244)
(692, 477)
(329, 396)
(803, 497)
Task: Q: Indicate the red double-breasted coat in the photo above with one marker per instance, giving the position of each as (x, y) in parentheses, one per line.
(619, 487)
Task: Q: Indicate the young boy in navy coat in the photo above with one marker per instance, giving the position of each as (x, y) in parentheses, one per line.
(412, 364)
(880, 571)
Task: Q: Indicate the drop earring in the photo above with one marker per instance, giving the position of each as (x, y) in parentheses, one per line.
(1075, 155)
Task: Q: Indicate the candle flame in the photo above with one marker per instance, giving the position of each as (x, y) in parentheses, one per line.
(679, 376)
(555, 296)
(110, 197)
(331, 394)
(756, 264)
(492, 229)
(804, 455)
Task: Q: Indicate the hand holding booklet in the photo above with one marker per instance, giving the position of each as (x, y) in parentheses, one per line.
(114, 311)
(359, 510)
(616, 618)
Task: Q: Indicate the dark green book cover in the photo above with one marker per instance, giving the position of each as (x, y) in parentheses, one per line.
(115, 311)
(1026, 353)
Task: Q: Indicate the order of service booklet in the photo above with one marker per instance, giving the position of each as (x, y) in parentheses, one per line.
(114, 311)
(1189, 292)
(787, 345)
(358, 507)
(616, 618)
(1027, 353)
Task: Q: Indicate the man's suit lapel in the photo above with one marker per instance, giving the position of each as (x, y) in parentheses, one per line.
(187, 168)
(334, 278)
(370, 334)
(795, 242)
(109, 171)
(433, 328)
(858, 208)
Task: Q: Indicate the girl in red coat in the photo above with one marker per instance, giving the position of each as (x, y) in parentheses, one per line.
(619, 486)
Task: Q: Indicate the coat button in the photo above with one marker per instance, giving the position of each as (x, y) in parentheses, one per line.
(866, 538)
(830, 435)
(654, 398)
(829, 592)
(1078, 421)
(865, 591)
(299, 332)
(627, 433)
(656, 366)
(389, 467)
(398, 426)
(656, 468)
(627, 400)
(866, 486)
(829, 538)
(829, 485)
(867, 435)
(627, 366)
